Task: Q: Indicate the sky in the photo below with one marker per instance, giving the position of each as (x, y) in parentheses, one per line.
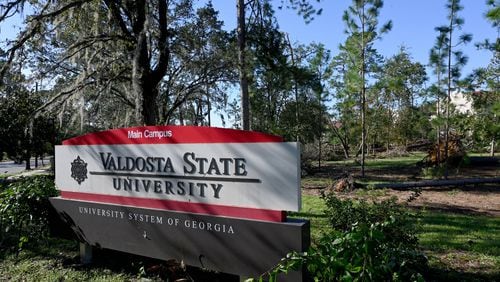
(413, 26)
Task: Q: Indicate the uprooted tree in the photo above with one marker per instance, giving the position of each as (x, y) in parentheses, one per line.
(454, 155)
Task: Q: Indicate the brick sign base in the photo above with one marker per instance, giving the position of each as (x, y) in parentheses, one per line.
(238, 246)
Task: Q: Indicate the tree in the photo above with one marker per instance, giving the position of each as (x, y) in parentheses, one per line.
(242, 65)
(361, 21)
(345, 113)
(483, 87)
(437, 58)
(281, 79)
(116, 51)
(202, 64)
(303, 7)
(493, 16)
(400, 86)
(320, 65)
(455, 60)
(25, 135)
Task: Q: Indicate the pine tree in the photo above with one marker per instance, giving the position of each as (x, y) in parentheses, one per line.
(362, 26)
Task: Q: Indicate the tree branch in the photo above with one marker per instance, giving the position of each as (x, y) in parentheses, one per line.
(7, 8)
(34, 25)
(163, 46)
(119, 19)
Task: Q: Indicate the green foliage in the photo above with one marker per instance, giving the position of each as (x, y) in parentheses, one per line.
(344, 214)
(367, 242)
(402, 81)
(484, 124)
(28, 135)
(286, 92)
(303, 7)
(362, 254)
(93, 79)
(356, 62)
(24, 209)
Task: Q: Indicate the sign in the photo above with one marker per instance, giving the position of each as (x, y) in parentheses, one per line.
(244, 247)
(194, 169)
(211, 197)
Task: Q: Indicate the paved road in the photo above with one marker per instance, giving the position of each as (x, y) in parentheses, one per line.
(9, 167)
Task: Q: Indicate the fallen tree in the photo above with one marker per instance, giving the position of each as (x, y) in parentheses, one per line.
(436, 183)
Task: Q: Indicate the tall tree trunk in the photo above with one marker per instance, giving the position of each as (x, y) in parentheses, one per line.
(242, 67)
(140, 70)
(145, 89)
(363, 95)
(27, 159)
(145, 80)
(438, 133)
(296, 91)
(144, 85)
(149, 105)
(209, 104)
(29, 138)
(492, 148)
(438, 115)
(448, 98)
(319, 152)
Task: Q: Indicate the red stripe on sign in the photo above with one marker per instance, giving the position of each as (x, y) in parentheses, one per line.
(171, 135)
(199, 208)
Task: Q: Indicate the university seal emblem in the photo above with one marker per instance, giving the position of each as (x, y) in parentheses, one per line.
(79, 170)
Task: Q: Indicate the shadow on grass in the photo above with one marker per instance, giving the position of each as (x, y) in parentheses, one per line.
(459, 210)
(61, 250)
(440, 274)
(461, 246)
(451, 231)
(490, 188)
(307, 215)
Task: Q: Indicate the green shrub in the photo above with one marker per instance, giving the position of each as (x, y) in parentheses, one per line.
(24, 209)
(367, 242)
(344, 214)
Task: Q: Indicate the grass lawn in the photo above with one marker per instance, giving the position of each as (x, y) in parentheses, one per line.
(312, 209)
(57, 260)
(385, 162)
(461, 247)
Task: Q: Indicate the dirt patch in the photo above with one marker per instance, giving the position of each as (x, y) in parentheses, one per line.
(476, 200)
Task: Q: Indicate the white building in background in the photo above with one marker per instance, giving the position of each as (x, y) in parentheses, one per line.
(461, 103)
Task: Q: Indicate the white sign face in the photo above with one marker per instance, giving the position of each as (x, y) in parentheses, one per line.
(255, 175)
